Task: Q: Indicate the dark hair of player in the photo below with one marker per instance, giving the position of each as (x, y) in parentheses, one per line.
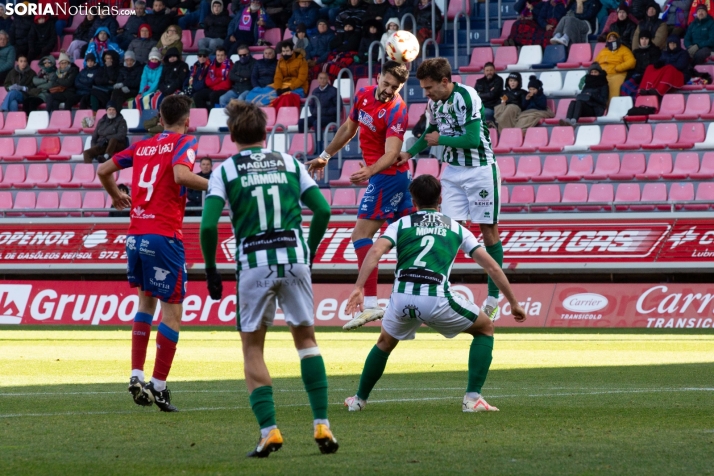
(435, 69)
(175, 109)
(246, 122)
(425, 191)
(398, 70)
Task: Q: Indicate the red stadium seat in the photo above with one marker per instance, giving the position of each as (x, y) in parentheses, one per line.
(47, 200)
(509, 139)
(270, 117)
(681, 192)
(58, 120)
(672, 104)
(59, 175)
(663, 135)
(288, 116)
(14, 174)
(83, 175)
(606, 166)
(553, 167)
(561, 112)
(360, 195)
(96, 199)
(427, 167)
(48, 145)
(228, 148)
(198, 117)
(26, 147)
(76, 126)
(415, 112)
(187, 40)
(97, 118)
(692, 132)
(536, 137)
(504, 194)
(36, 174)
(561, 137)
(573, 193)
(327, 194)
(470, 79)
(580, 165)
(638, 136)
(685, 164)
(5, 200)
(520, 194)
(528, 166)
(505, 55)
(698, 106)
(507, 166)
(652, 192)
(455, 7)
(546, 194)
(7, 146)
(631, 165)
(706, 170)
(612, 136)
(493, 135)
(297, 144)
(24, 201)
(627, 192)
(71, 145)
(650, 101)
(705, 193)
(343, 197)
(479, 57)
(596, 51)
(579, 54)
(14, 121)
(599, 192)
(71, 200)
(657, 165)
(208, 146)
(505, 32)
(348, 168)
(76, 21)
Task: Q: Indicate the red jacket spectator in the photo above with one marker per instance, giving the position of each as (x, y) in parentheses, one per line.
(218, 75)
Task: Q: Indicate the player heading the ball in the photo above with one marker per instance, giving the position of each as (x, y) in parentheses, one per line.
(263, 190)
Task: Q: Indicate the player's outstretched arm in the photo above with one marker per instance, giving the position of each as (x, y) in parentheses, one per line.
(470, 140)
(344, 134)
(489, 265)
(313, 199)
(212, 209)
(185, 176)
(418, 146)
(106, 172)
(391, 154)
(355, 302)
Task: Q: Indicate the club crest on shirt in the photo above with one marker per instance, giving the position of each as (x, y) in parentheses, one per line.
(382, 113)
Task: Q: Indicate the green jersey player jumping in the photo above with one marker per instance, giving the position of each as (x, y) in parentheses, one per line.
(472, 181)
(263, 190)
(427, 243)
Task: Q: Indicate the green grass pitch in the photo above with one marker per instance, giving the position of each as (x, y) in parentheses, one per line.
(572, 402)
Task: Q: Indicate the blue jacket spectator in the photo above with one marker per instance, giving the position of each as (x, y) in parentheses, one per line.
(108, 22)
(85, 79)
(263, 74)
(327, 95)
(307, 13)
(198, 72)
(319, 47)
(100, 44)
(247, 27)
(7, 55)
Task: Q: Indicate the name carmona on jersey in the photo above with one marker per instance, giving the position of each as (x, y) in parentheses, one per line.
(263, 179)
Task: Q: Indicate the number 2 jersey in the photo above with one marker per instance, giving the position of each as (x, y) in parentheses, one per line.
(427, 244)
(263, 190)
(158, 202)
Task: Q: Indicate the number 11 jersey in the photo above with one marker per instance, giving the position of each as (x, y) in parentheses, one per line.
(158, 203)
(263, 190)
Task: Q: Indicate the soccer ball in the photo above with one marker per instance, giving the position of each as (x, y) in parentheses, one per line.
(402, 47)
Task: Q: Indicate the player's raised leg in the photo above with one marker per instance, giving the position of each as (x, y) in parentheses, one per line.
(494, 247)
(167, 338)
(480, 357)
(140, 335)
(373, 369)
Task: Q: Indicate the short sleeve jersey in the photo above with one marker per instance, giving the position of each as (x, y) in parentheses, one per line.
(158, 202)
(263, 190)
(452, 116)
(379, 121)
(427, 244)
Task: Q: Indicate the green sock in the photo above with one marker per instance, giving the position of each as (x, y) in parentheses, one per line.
(372, 372)
(315, 379)
(261, 401)
(480, 356)
(495, 252)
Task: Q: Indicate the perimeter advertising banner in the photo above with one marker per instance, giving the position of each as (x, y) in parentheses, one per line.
(676, 306)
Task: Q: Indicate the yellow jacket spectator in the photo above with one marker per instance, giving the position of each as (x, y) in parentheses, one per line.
(616, 59)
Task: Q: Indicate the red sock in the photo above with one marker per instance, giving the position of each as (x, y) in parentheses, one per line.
(140, 334)
(370, 287)
(166, 340)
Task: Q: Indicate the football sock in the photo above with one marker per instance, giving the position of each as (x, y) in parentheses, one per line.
(264, 432)
(140, 334)
(480, 356)
(324, 421)
(496, 252)
(372, 372)
(315, 379)
(362, 247)
(159, 385)
(166, 340)
(261, 401)
(473, 395)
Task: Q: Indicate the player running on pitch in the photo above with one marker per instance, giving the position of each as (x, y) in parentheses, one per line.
(427, 243)
(381, 116)
(163, 169)
(263, 190)
(472, 181)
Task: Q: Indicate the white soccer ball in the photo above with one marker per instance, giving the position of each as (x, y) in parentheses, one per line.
(402, 47)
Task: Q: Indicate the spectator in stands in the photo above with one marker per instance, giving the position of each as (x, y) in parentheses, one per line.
(671, 71)
(622, 23)
(307, 13)
(592, 100)
(291, 72)
(7, 55)
(174, 75)
(5, 19)
(62, 89)
(43, 38)
(170, 39)
(537, 23)
(645, 55)
(656, 27)
(327, 95)
(141, 46)
(109, 136)
(578, 23)
(105, 80)
(128, 82)
(195, 197)
(399, 8)
(18, 82)
(534, 108)
(354, 10)
(392, 26)
(248, 27)
(699, 39)
(84, 82)
(240, 75)
(40, 83)
(160, 19)
(218, 81)
(347, 40)
(422, 13)
(639, 8)
(100, 44)
(216, 27)
(377, 11)
(695, 5)
(319, 47)
(197, 74)
(371, 32)
(490, 90)
(197, 11)
(20, 33)
(676, 14)
(106, 21)
(616, 59)
(263, 74)
(81, 38)
(130, 31)
(300, 40)
(114, 213)
(149, 81)
(511, 102)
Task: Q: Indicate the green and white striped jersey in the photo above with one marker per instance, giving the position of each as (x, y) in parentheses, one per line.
(427, 243)
(263, 190)
(452, 116)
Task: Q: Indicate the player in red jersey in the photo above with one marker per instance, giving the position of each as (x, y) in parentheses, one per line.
(381, 116)
(163, 169)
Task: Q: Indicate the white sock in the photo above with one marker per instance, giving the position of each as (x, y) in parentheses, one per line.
(159, 385)
(492, 301)
(319, 421)
(138, 373)
(473, 395)
(370, 302)
(264, 431)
